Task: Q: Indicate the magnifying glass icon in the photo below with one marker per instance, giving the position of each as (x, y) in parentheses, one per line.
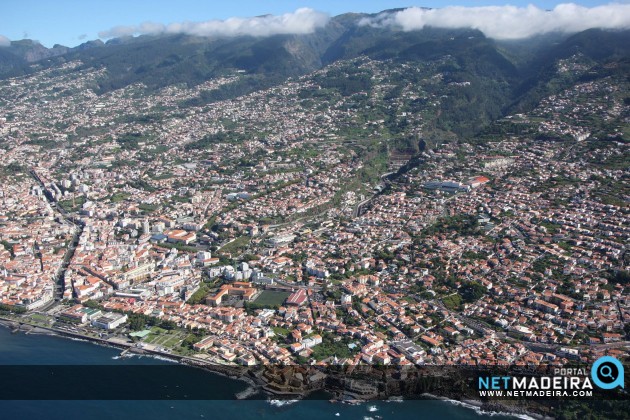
(606, 372)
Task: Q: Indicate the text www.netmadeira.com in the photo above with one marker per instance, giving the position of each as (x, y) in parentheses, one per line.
(534, 393)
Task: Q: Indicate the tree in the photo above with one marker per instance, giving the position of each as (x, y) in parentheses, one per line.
(168, 325)
(620, 277)
(189, 341)
(10, 308)
(472, 292)
(136, 323)
(92, 304)
(200, 295)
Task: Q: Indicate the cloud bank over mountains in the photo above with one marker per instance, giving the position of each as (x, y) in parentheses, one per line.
(4, 41)
(508, 22)
(302, 21)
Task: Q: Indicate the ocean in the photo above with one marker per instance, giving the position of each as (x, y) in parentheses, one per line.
(26, 349)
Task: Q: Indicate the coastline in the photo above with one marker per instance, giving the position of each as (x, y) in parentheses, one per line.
(254, 384)
(489, 409)
(232, 372)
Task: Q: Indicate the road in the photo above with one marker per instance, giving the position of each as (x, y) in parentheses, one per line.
(299, 286)
(357, 211)
(78, 230)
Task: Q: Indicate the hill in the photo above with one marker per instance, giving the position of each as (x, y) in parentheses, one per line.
(503, 77)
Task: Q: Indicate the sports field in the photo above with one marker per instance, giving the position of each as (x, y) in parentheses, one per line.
(271, 298)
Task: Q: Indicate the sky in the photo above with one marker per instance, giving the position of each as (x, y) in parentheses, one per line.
(72, 22)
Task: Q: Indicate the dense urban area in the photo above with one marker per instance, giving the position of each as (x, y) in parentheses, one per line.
(325, 220)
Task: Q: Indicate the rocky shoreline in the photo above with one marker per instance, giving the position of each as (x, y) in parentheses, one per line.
(492, 409)
(258, 378)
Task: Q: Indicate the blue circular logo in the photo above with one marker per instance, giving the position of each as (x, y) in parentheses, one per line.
(607, 373)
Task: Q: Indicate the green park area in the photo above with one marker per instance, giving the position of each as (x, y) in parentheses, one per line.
(164, 338)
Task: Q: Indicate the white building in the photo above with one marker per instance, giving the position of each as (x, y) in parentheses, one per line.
(109, 321)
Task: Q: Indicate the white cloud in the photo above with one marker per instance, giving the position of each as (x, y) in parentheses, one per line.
(4, 41)
(143, 28)
(509, 22)
(302, 21)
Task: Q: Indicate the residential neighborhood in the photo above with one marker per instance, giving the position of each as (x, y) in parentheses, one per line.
(266, 233)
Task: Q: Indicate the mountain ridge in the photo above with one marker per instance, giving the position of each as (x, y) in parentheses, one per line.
(511, 76)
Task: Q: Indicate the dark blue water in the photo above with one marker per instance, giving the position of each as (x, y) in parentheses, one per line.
(39, 349)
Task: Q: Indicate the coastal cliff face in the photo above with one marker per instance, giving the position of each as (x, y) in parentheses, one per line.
(351, 384)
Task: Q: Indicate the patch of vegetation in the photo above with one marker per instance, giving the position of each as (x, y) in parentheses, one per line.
(621, 277)
(452, 302)
(283, 332)
(148, 208)
(200, 295)
(73, 205)
(179, 247)
(464, 224)
(8, 247)
(12, 168)
(472, 291)
(119, 196)
(551, 228)
(130, 141)
(210, 140)
(191, 340)
(347, 81)
(12, 309)
(330, 348)
(271, 298)
(141, 184)
(237, 245)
